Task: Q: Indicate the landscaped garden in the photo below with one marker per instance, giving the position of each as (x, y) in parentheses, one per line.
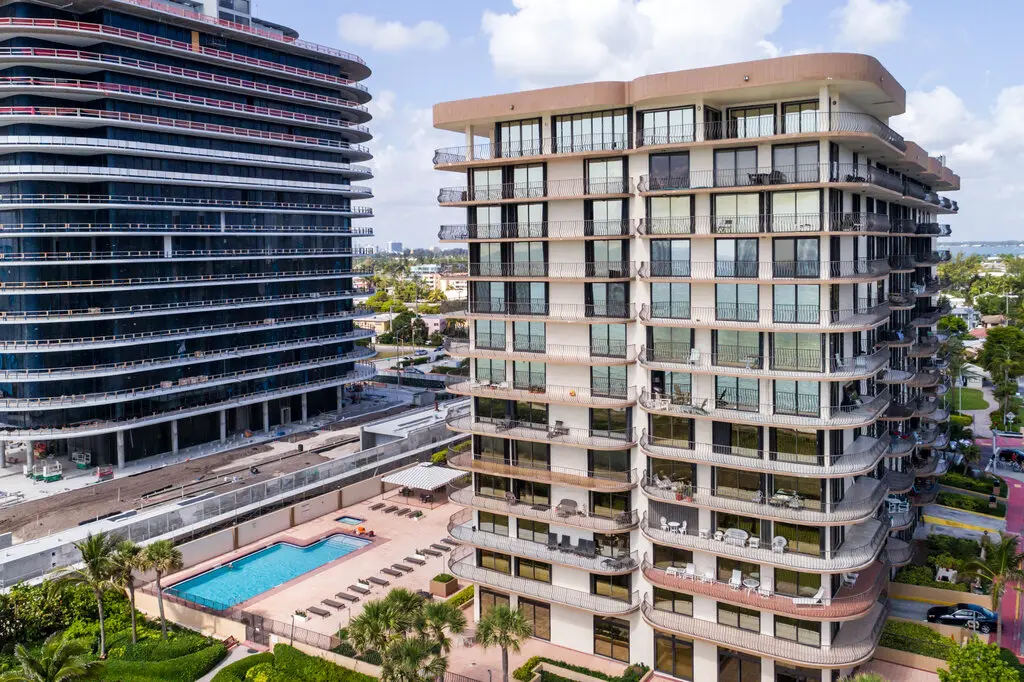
(971, 503)
(287, 664)
(943, 551)
(983, 485)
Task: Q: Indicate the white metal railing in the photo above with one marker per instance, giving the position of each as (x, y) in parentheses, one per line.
(545, 472)
(556, 433)
(547, 352)
(767, 223)
(10, 287)
(749, 360)
(181, 254)
(29, 229)
(539, 391)
(190, 203)
(582, 519)
(742, 316)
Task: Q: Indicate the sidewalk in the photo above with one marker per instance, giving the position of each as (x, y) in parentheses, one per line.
(1010, 608)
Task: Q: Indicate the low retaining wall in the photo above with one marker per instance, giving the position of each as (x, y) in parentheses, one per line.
(934, 595)
(206, 623)
(909, 660)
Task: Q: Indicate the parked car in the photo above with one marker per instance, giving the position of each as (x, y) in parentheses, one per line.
(965, 615)
(421, 352)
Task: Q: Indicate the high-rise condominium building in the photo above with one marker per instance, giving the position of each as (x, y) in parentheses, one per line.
(177, 209)
(703, 361)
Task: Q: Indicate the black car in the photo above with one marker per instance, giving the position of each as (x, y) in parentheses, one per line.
(965, 615)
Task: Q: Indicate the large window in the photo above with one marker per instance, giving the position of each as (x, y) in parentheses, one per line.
(489, 599)
(797, 257)
(611, 638)
(796, 211)
(491, 449)
(670, 171)
(529, 298)
(735, 258)
(737, 213)
(737, 393)
(667, 126)
(607, 258)
(798, 397)
(491, 486)
(488, 297)
(486, 184)
(788, 674)
(674, 602)
(736, 439)
(676, 386)
(670, 215)
(796, 584)
(738, 484)
(736, 667)
(793, 351)
(487, 220)
(529, 336)
(801, 539)
(493, 523)
(732, 348)
(671, 300)
(752, 526)
(606, 176)
(607, 299)
(609, 464)
(528, 492)
(531, 455)
(608, 381)
(490, 334)
(807, 493)
(673, 655)
(494, 561)
(531, 413)
(608, 340)
(490, 371)
(669, 344)
(530, 376)
(609, 505)
(790, 445)
(670, 257)
(795, 163)
(803, 631)
(519, 138)
(736, 302)
(671, 473)
(739, 617)
(801, 117)
(528, 260)
(796, 303)
(539, 616)
(736, 167)
(605, 216)
(529, 220)
(610, 422)
(597, 131)
(614, 586)
(527, 182)
(533, 570)
(671, 431)
(752, 121)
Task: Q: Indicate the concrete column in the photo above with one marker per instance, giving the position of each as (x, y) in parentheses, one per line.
(266, 415)
(120, 449)
(168, 246)
(341, 396)
(223, 425)
(469, 143)
(3, 454)
(305, 408)
(174, 437)
(223, 221)
(30, 457)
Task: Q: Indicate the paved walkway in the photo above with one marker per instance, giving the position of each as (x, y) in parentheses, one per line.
(982, 425)
(1010, 608)
(238, 653)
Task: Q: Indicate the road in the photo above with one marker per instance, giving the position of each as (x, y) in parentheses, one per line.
(911, 610)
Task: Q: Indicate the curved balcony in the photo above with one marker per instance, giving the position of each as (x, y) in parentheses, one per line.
(902, 520)
(601, 144)
(924, 406)
(779, 318)
(536, 309)
(460, 563)
(934, 230)
(928, 318)
(861, 457)
(929, 288)
(550, 230)
(178, 256)
(156, 229)
(902, 300)
(150, 364)
(461, 527)
(621, 521)
(746, 361)
(901, 445)
(864, 541)
(925, 379)
(592, 270)
(784, 271)
(849, 602)
(608, 481)
(924, 494)
(524, 388)
(900, 482)
(860, 502)
(899, 338)
(98, 428)
(555, 434)
(845, 175)
(568, 188)
(550, 352)
(902, 263)
(924, 348)
(114, 201)
(933, 466)
(801, 223)
(855, 643)
(895, 376)
(89, 285)
(743, 407)
(900, 552)
(941, 414)
(114, 340)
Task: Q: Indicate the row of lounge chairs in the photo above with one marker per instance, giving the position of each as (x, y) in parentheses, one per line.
(391, 509)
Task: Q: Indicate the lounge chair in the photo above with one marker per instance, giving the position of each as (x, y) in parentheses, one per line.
(333, 604)
(377, 581)
(429, 552)
(403, 511)
(552, 541)
(736, 581)
(440, 547)
(346, 596)
(359, 589)
(388, 510)
(765, 588)
(317, 611)
(810, 601)
(379, 505)
(402, 567)
(566, 544)
(450, 542)
(390, 571)
(415, 560)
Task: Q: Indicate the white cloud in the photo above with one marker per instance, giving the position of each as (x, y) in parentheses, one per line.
(868, 23)
(545, 42)
(391, 36)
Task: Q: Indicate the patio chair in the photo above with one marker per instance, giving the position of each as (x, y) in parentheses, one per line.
(765, 588)
(810, 601)
(736, 581)
(566, 544)
(703, 533)
(754, 542)
(779, 544)
(673, 571)
(690, 573)
(552, 541)
(664, 524)
(707, 577)
(850, 579)
(719, 535)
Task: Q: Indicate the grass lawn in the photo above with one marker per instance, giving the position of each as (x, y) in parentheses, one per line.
(973, 399)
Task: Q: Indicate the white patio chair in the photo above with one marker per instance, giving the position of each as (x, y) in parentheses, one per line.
(765, 588)
(810, 601)
(736, 581)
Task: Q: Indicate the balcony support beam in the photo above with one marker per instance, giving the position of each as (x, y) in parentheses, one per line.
(305, 407)
(223, 425)
(266, 415)
(3, 454)
(30, 454)
(120, 449)
(174, 437)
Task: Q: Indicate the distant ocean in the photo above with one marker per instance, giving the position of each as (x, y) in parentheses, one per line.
(984, 248)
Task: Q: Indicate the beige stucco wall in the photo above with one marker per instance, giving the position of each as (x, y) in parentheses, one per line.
(257, 529)
(206, 623)
(934, 595)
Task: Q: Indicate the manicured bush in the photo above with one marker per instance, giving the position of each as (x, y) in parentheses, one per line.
(462, 596)
(963, 420)
(924, 576)
(963, 549)
(916, 638)
(235, 672)
(971, 504)
(978, 485)
(631, 674)
(182, 669)
(444, 578)
(160, 650)
(296, 665)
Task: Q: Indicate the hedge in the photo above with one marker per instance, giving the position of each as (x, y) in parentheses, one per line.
(924, 576)
(443, 578)
(462, 596)
(182, 669)
(916, 638)
(235, 672)
(971, 504)
(524, 673)
(295, 665)
(964, 549)
(977, 485)
(159, 650)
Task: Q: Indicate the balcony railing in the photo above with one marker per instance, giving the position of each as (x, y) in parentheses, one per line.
(934, 229)
(615, 394)
(745, 406)
(855, 643)
(749, 315)
(33, 229)
(553, 515)
(859, 502)
(556, 434)
(729, 269)
(781, 223)
(849, 602)
(861, 547)
(539, 307)
(610, 354)
(902, 262)
(184, 204)
(461, 563)
(747, 360)
(900, 552)
(562, 144)
(541, 270)
(860, 457)
(461, 527)
(538, 471)
(567, 188)
(792, 174)
(548, 229)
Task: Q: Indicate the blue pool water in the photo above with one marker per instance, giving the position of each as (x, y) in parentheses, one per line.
(350, 520)
(244, 578)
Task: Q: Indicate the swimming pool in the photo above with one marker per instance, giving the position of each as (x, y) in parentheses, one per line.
(253, 574)
(350, 520)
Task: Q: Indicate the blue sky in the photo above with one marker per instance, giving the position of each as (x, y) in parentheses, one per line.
(959, 62)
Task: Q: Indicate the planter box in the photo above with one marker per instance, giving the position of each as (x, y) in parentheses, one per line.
(444, 590)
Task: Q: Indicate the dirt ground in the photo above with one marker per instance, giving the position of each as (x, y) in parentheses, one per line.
(38, 518)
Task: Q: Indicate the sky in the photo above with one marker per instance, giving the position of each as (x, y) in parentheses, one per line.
(960, 63)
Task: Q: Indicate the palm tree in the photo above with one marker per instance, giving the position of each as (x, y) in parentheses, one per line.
(95, 572)
(412, 660)
(128, 558)
(380, 623)
(438, 620)
(163, 557)
(504, 628)
(58, 660)
(1000, 565)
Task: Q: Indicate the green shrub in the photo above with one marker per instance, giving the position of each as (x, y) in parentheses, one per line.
(977, 485)
(182, 669)
(439, 457)
(916, 638)
(962, 420)
(631, 674)
(924, 576)
(235, 672)
(159, 650)
(963, 549)
(297, 666)
(971, 504)
(444, 578)
(462, 596)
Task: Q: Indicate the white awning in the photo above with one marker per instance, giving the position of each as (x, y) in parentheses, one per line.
(424, 476)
